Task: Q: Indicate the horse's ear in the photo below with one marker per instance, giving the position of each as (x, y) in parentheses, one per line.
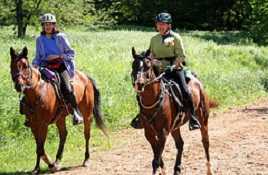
(134, 55)
(12, 53)
(25, 52)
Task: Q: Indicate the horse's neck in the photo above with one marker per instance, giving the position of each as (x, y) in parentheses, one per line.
(33, 93)
(151, 93)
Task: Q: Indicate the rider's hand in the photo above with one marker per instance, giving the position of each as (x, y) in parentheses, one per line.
(170, 69)
(36, 66)
(178, 64)
(53, 57)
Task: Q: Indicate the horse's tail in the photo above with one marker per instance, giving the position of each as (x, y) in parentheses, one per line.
(212, 103)
(206, 104)
(96, 109)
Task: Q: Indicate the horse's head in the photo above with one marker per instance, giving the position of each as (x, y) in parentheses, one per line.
(20, 69)
(142, 70)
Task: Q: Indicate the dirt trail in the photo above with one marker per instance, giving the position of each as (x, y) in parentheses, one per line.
(238, 145)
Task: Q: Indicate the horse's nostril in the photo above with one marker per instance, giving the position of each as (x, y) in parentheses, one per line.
(140, 86)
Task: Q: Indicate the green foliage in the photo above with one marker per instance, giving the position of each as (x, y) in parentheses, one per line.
(5, 13)
(232, 68)
(21, 13)
(209, 14)
(248, 15)
(259, 22)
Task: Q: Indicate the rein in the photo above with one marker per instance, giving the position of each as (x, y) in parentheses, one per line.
(150, 82)
(158, 104)
(28, 79)
(160, 99)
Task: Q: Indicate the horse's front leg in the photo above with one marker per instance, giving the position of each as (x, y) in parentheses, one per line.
(179, 145)
(40, 134)
(157, 143)
(62, 134)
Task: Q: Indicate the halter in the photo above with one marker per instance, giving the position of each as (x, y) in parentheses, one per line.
(162, 90)
(28, 78)
(149, 82)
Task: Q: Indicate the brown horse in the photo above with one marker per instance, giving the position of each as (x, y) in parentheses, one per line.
(45, 108)
(160, 114)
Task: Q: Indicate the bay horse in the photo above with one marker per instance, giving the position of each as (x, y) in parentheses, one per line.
(43, 104)
(160, 114)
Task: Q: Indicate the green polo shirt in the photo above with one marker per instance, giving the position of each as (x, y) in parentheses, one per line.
(173, 46)
(169, 47)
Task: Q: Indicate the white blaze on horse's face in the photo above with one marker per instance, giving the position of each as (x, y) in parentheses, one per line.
(140, 81)
(21, 74)
(140, 74)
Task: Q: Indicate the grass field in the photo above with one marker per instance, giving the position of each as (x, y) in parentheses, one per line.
(232, 68)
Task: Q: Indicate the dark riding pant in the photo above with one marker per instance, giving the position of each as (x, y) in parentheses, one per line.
(187, 98)
(69, 93)
(66, 87)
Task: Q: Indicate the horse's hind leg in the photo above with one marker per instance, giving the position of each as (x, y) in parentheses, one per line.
(63, 134)
(87, 126)
(205, 137)
(176, 134)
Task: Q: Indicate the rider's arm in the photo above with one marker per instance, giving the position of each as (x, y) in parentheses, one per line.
(179, 51)
(68, 52)
(37, 59)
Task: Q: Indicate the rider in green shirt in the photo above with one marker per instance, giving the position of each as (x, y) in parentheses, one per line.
(167, 47)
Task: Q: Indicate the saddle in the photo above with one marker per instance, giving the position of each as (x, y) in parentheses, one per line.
(52, 77)
(174, 91)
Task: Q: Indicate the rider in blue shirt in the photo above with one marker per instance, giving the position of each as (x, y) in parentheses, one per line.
(52, 47)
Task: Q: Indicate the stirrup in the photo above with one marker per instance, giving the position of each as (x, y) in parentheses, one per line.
(194, 123)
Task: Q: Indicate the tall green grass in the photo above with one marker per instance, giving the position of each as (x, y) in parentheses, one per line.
(231, 67)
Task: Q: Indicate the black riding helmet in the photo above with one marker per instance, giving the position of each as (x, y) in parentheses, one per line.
(163, 17)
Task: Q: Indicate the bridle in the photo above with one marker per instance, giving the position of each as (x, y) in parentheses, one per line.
(148, 81)
(27, 77)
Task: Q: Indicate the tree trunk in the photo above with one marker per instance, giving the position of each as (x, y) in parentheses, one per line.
(19, 18)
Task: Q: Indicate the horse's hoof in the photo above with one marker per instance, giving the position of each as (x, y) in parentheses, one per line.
(56, 167)
(177, 173)
(209, 172)
(163, 171)
(35, 171)
(86, 163)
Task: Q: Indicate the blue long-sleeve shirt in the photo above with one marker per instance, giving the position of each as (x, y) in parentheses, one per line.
(50, 45)
(64, 48)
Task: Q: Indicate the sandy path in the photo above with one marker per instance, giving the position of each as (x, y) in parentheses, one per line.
(238, 139)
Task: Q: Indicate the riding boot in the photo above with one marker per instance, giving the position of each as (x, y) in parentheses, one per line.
(23, 111)
(22, 105)
(193, 121)
(77, 116)
(187, 98)
(136, 122)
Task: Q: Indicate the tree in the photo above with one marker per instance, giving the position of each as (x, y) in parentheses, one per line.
(258, 25)
(18, 13)
(21, 13)
(24, 11)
